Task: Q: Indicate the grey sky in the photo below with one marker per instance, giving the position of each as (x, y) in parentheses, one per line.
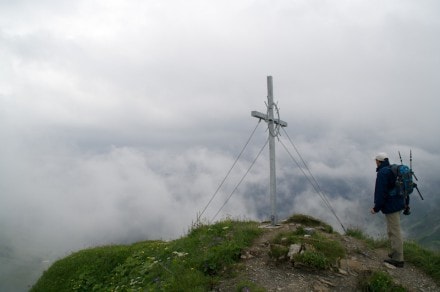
(118, 119)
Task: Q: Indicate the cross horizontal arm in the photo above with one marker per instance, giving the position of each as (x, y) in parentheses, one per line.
(262, 116)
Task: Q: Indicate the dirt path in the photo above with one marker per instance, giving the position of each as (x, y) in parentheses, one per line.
(256, 267)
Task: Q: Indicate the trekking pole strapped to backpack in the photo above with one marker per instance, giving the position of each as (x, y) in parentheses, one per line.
(404, 182)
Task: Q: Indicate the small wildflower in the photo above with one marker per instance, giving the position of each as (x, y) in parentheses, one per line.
(180, 254)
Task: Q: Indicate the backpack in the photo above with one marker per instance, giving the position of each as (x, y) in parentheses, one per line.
(404, 180)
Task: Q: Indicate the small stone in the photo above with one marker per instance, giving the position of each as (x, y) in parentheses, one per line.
(246, 255)
(293, 250)
(327, 282)
(389, 266)
(342, 272)
(281, 258)
(309, 230)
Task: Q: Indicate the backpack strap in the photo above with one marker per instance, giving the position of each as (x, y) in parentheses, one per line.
(394, 168)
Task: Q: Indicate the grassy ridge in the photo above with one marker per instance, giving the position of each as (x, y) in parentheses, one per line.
(191, 263)
(197, 261)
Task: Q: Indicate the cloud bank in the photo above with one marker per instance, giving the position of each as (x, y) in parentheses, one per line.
(119, 119)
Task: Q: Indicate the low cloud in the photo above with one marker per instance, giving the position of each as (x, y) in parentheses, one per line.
(118, 121)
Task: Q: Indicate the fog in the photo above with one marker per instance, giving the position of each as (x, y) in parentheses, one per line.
(119, 119)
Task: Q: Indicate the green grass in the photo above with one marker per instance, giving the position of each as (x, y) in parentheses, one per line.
(426, 260)
(313, 259)
(378, 281)
(208, 253)
(191, 263)
(371, 242)
(81, 270)
(320, 251)
(309, 222)
(355, 233)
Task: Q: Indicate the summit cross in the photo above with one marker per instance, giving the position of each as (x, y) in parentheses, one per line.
(273, 124)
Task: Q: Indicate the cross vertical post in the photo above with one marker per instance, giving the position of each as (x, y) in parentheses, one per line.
(273, 185)
(272, 123)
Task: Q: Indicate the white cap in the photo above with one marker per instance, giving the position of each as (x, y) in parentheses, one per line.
(381, 156)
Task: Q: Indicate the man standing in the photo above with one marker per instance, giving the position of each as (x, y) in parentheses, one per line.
(390, 206)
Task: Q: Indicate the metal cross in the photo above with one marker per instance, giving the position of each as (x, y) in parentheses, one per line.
(269, 118)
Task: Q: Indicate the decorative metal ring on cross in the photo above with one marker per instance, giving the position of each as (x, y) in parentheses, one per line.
(277, 124)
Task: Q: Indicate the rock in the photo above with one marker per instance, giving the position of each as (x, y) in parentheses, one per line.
(293, 250)
(282, 258)
(328, 283)
(309, 230)
(342, 272)
(389, 266)
(246, 255)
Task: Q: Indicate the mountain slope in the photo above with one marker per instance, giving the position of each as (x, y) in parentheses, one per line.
(236, 255)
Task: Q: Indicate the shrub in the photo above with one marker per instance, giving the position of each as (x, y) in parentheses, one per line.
(378, 281)
(311, 259)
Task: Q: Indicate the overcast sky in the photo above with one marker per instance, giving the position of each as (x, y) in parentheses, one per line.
(119, 119)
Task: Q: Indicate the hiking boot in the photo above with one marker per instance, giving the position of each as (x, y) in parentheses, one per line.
(397, 264)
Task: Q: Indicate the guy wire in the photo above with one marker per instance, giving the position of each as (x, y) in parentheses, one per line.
(227, 174)
(241, 180)
(315, 185)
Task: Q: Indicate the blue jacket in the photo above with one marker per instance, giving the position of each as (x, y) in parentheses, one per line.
(385, 182)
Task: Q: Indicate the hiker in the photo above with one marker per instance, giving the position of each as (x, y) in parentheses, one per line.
(390, 206)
